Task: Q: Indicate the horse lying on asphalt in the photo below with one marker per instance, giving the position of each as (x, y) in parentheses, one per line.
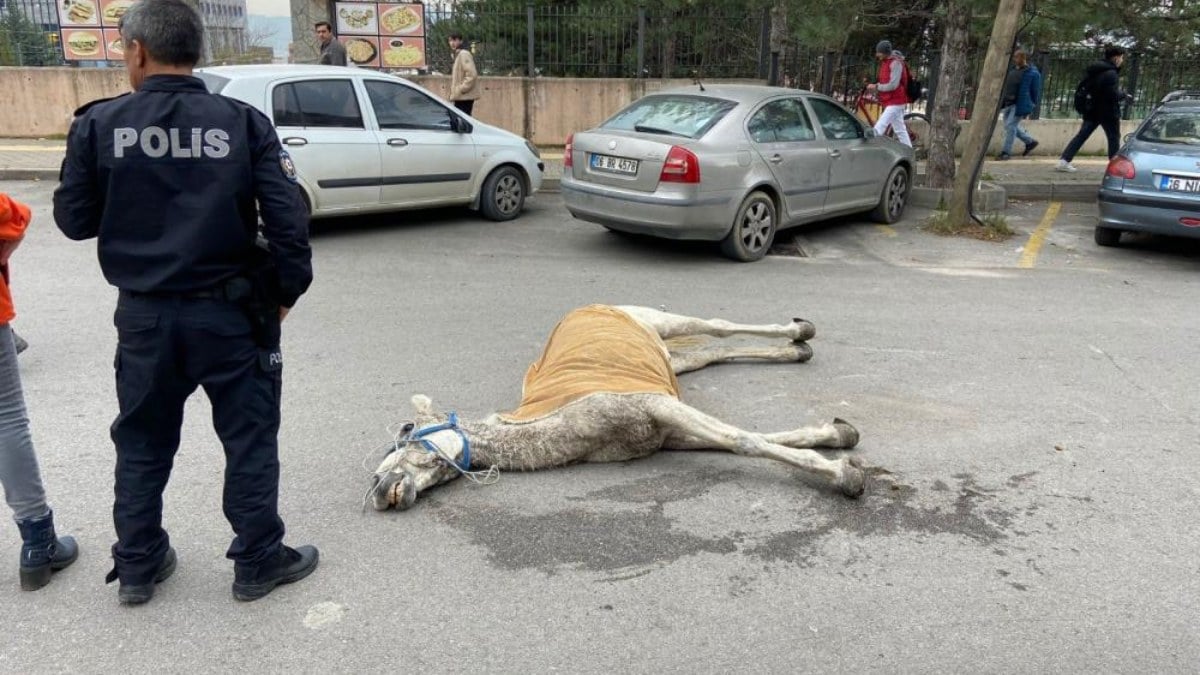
(604, 390)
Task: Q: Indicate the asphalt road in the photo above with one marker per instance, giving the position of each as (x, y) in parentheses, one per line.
(1039, 414)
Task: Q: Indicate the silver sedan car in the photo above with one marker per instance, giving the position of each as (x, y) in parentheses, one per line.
(1153, 184)
(732, 163)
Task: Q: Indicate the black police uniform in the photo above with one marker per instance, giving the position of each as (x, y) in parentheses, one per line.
(168, 179)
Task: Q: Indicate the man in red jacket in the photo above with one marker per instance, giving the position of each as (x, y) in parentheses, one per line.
(893, 83)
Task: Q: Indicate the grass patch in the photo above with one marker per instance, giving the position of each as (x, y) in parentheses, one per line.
(994, 228)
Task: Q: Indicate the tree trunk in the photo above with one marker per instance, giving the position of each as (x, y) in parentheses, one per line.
(983, 120)
(943, 118)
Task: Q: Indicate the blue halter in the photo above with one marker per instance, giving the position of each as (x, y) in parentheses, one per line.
(452, 425)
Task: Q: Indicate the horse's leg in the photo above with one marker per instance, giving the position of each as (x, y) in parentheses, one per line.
(695, 359)
(676, 325)
(680, 419)
(838, 434)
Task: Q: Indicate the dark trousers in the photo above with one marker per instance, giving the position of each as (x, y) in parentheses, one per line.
(1112, 129)
(167, 347)
(465, 106)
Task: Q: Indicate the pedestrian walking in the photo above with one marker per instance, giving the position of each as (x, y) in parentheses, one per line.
(333, 52)
(1102, 91)
(43, 552)
(172, 180)
(892, 86)
(1022, 93)
(464, 78)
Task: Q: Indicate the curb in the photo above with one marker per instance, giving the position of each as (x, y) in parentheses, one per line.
(29, 174)
(1058, 192)
(989, 197)
(550, 185)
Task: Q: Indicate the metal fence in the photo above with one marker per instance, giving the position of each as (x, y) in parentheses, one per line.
(1146, 77)
(29, 33)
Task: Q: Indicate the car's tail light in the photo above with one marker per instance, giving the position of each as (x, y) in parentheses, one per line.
(568, 151)
(682, 166)
(1121, 167)
(1189, 222)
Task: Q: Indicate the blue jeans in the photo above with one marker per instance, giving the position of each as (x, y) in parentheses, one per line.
(1012, 129)
(18, 463)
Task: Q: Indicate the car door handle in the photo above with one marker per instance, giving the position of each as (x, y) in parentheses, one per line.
(397, 142)
(835, 153)
(775, 159)
(295, 140)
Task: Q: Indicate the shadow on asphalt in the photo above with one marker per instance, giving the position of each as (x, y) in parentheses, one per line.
(1176, 248)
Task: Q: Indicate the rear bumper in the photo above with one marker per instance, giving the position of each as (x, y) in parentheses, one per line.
(1147, 213)
(705, 216)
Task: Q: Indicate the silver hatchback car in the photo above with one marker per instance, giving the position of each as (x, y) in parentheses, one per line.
(732, 163)
(1153, 184)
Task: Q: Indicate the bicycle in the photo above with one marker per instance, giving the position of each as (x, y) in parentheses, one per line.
(867, 108)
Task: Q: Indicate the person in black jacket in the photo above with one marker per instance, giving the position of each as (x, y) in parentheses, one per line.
(172, 180)
(1103, 82)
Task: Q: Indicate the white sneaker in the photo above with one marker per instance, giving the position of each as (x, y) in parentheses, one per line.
(1065, 166)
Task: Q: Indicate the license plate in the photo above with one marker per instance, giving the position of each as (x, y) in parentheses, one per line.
(611, 164)
(1178, 184)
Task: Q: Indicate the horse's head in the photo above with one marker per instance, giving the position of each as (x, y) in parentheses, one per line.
(425, 453)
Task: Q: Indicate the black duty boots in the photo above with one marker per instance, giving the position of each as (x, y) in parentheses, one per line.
(43, 552)
(140, 594)
(288, 565)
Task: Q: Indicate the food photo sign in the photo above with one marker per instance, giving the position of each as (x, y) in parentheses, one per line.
(89, 29)
(382, 35)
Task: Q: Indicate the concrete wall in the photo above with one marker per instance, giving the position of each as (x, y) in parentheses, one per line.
(545, 110)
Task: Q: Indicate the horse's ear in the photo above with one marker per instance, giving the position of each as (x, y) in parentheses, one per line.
(422, 404)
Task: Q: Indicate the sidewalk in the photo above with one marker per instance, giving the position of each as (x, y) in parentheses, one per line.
(1021, 178)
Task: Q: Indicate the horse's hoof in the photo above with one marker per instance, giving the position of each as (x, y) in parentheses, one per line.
(807, 330)
(847, 434)
(854, 479)
(803, 351)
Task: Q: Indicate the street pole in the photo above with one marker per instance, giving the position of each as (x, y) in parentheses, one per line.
(985, 110)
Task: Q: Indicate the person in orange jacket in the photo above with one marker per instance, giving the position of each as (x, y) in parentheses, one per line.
(43, 552)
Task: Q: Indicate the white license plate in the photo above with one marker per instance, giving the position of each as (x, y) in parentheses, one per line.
(1178, 184)
(611, 164)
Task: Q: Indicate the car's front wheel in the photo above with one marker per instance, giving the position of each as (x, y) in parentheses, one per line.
(503, 194)
(753, 230)
(894, 197)
(1107, 236)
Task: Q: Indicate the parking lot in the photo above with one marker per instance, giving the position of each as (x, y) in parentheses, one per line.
(1033, 400)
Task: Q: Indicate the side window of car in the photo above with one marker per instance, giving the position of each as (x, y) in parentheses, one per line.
(400, 107)
(781, 122)
(835, 121)
(317, 103)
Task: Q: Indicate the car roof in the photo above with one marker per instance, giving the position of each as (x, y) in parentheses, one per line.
(1185, 105)
(276, 70)
(740, 93)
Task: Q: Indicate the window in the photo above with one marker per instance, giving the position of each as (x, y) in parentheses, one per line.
(400, 107)
(316, 103)
(672, 115)
(781, 122)
(835, 121)
(1174, 126)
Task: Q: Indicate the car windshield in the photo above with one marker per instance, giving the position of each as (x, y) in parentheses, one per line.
(215, 83)
(671, 115)
(1173, 126)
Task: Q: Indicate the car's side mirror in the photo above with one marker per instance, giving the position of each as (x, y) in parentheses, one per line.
(460, 125)
(1128, 137)
(869, 132)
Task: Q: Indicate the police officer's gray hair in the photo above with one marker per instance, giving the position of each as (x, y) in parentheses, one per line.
(170, 31)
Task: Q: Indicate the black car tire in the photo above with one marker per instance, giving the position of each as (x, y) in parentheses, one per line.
(753, 229)
(1107, 236)
(894, 197)
(503, 194)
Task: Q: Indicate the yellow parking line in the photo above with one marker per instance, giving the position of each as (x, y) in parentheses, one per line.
(887, 230)
(1034, 245)
(552, 155)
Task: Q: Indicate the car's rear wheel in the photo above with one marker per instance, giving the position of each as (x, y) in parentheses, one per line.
(753, 230)
(503, 194)
(894, 197)
(1107, 236)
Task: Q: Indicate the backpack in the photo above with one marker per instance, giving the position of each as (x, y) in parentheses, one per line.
(913, 90)
(1083, 96)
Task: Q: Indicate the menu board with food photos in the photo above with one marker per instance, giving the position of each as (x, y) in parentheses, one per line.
(382, 35)
(89, 29)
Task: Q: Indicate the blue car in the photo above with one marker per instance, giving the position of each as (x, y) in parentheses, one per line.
(1153, 184)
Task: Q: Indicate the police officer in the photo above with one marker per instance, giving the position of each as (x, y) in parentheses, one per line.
(168, 178)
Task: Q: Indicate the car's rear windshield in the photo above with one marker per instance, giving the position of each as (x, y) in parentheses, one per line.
(215, 83)
(1172, 126)
(672, 115)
